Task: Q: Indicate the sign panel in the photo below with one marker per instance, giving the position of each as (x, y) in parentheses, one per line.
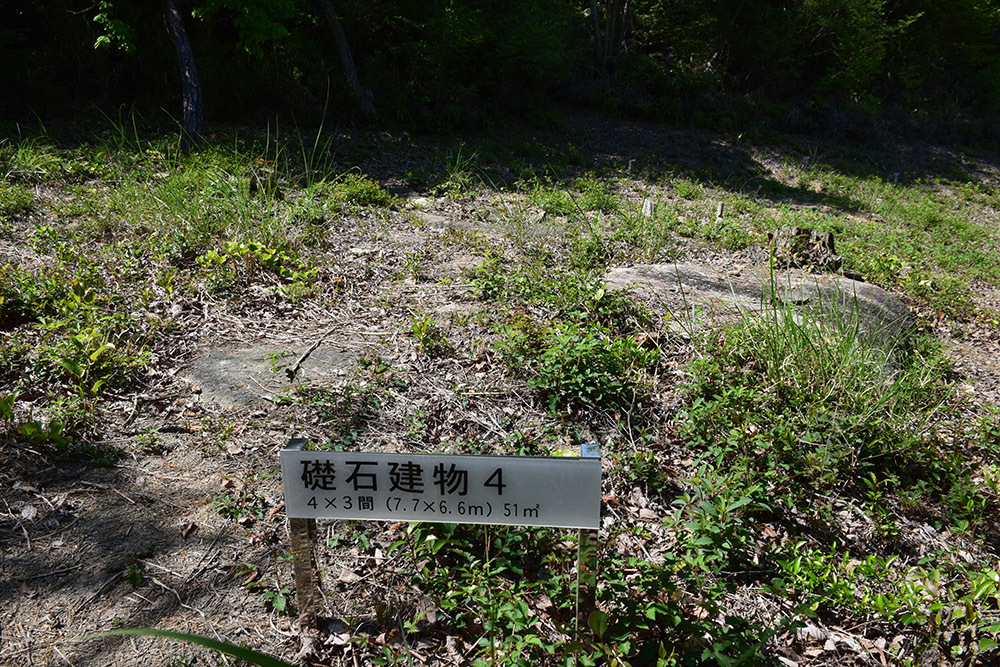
(558, 492)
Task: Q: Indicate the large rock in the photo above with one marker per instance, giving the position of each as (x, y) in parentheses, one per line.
(698, 295)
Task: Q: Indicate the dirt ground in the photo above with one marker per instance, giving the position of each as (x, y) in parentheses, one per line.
(186, 530)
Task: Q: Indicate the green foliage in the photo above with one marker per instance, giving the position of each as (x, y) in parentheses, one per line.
(278, 599)
(574, 365)
(238, 260)
(345, 412)
(811, 399)
(713, 521)
(588, 194)
(666, 615)
(929, 597)
(461, 173)
(570, 294)
(115, 33)
(259, 23)
(359, 190)
(586, 354)
(482, 582)
(14, 200)
(485, 582)
(95, 346)
(819, 64)
(430, 338)
(27, 160)
(238, 652)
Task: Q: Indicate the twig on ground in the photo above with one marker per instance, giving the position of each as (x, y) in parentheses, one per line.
(197, 568)
(54, 573)
(290, 372)
(104, 588)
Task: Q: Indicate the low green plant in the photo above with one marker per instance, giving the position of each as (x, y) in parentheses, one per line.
(462, 173)
(346, 411)
(811, 399)
(552, 200)
(35, 159)
(483, 580)
(596, 195)
(568, 293)
(238, 652)
(570, 364)
(15, 200)
(714, 520)
(359, 190)
(278, 599)
(585, 194)
(642, 468)
(240, 260)
(51, 432)
(667, 614)
(938, 596)
(688, 189)
(240, 498)
(431, 340)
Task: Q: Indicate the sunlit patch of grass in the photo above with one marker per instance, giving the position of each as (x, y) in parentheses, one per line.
(15, 199)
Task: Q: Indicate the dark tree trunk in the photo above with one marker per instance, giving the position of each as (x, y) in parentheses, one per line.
(612, 21)
(362, 98)
(598, 41)
(193, 104)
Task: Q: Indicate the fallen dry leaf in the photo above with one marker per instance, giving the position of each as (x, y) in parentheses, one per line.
(348, 577)
(274, 510)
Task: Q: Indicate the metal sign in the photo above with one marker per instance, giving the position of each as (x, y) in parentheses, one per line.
(558, 492)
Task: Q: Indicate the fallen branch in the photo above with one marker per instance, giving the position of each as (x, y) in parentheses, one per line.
(290, 372)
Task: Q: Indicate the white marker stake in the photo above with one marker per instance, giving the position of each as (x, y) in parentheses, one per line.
(555, 491)
(586, 562)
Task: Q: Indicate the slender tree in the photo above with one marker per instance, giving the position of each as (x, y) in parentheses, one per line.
(361, 97)
(191, 91)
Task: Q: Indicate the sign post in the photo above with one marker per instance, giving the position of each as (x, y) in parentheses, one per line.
(303, 535)
(586, 562)
(554, 491)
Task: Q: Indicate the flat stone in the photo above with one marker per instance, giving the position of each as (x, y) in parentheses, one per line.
(698, 295)
(255, 376)
(431, 219)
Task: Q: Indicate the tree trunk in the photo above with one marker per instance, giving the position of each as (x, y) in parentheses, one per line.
(193, 104)
(598, 42)
(611, 20)
(362, 98)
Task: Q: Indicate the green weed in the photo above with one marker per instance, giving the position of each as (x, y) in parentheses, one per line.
(462, 173)
(431, 340)
(570, 294)
(357, 190)
(573, 365)
(239, 652)
(811, 398)
(15, 199)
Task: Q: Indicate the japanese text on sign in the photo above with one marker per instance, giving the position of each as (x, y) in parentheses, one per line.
(535, 491)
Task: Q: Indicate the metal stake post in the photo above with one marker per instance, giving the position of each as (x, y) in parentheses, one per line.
(586, 562)
(303, 535)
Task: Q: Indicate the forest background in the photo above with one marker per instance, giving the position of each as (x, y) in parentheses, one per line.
(836, 66)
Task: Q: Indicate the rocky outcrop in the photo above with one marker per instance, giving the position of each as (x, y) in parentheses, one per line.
(698, 295)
